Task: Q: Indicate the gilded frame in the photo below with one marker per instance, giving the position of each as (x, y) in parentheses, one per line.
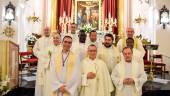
(99, 14)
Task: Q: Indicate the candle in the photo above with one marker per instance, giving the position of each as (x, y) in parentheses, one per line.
(109, 15)
(105, 21)
(112, 20)
(64, 14)
(60, 20)
(115, 21)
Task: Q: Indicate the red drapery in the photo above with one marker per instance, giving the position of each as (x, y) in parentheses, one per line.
(110, 6)
(63, 6)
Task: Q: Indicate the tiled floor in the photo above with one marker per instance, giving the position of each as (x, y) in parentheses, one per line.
(21, 91)
(27, 86)
(28, 78)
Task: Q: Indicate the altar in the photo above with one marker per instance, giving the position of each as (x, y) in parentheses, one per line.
(93, 13)
(160, 86)
(9, 62)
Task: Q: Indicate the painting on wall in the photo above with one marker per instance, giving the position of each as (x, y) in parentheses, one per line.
(88, 13)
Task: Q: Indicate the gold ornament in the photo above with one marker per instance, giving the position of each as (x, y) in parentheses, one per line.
(140, 20)
(9, 31)
(33, 18)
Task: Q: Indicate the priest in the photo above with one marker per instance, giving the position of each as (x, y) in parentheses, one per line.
(137, 42)
(40, 51)
(80, 47)
(65, 71)
(54, 48)
(109, 53)
(128, 76)
(137, 55)
(92, 39)
(73, 29)
(96, 80)
(51, 51)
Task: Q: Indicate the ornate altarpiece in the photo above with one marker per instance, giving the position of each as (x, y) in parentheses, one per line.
(88, 12)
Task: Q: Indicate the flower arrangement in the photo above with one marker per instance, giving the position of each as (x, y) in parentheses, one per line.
(145, 41)
(31, 39)
(87, 28)
(4, 86)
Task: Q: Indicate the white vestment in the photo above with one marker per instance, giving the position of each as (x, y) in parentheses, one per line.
(137, 45)
(89, 42)
(111, 56)
(101, 85)
(41, 52)
(54, 49)
(80, 49)
(133, 70)
(65, 73)
(137, 57)
(75, 37)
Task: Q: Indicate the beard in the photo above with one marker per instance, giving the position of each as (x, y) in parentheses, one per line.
(129, 60)
(107, 45)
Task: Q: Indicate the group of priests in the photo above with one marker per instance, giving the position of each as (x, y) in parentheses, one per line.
(75, 64)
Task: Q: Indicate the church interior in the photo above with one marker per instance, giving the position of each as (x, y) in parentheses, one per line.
(22, 23)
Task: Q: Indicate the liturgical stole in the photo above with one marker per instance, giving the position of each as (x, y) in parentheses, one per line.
(69, 68)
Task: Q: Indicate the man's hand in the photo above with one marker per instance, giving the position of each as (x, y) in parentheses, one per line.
(62, 89)
(91, 75)
(131, 81)
(128, 81)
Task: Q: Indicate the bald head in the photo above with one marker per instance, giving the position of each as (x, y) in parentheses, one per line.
(92, 51)
(127, 53)
(130, 32)
(47, 31)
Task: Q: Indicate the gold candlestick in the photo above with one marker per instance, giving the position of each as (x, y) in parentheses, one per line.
(110, 22)
(151, 47)
(151, 76)
(64, 21)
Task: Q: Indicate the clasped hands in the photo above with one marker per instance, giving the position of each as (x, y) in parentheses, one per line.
(128, 81)
(62, 89)
(91, 75)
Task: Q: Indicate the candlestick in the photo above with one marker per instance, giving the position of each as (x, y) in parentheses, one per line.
(64, 22)
(110, 21)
